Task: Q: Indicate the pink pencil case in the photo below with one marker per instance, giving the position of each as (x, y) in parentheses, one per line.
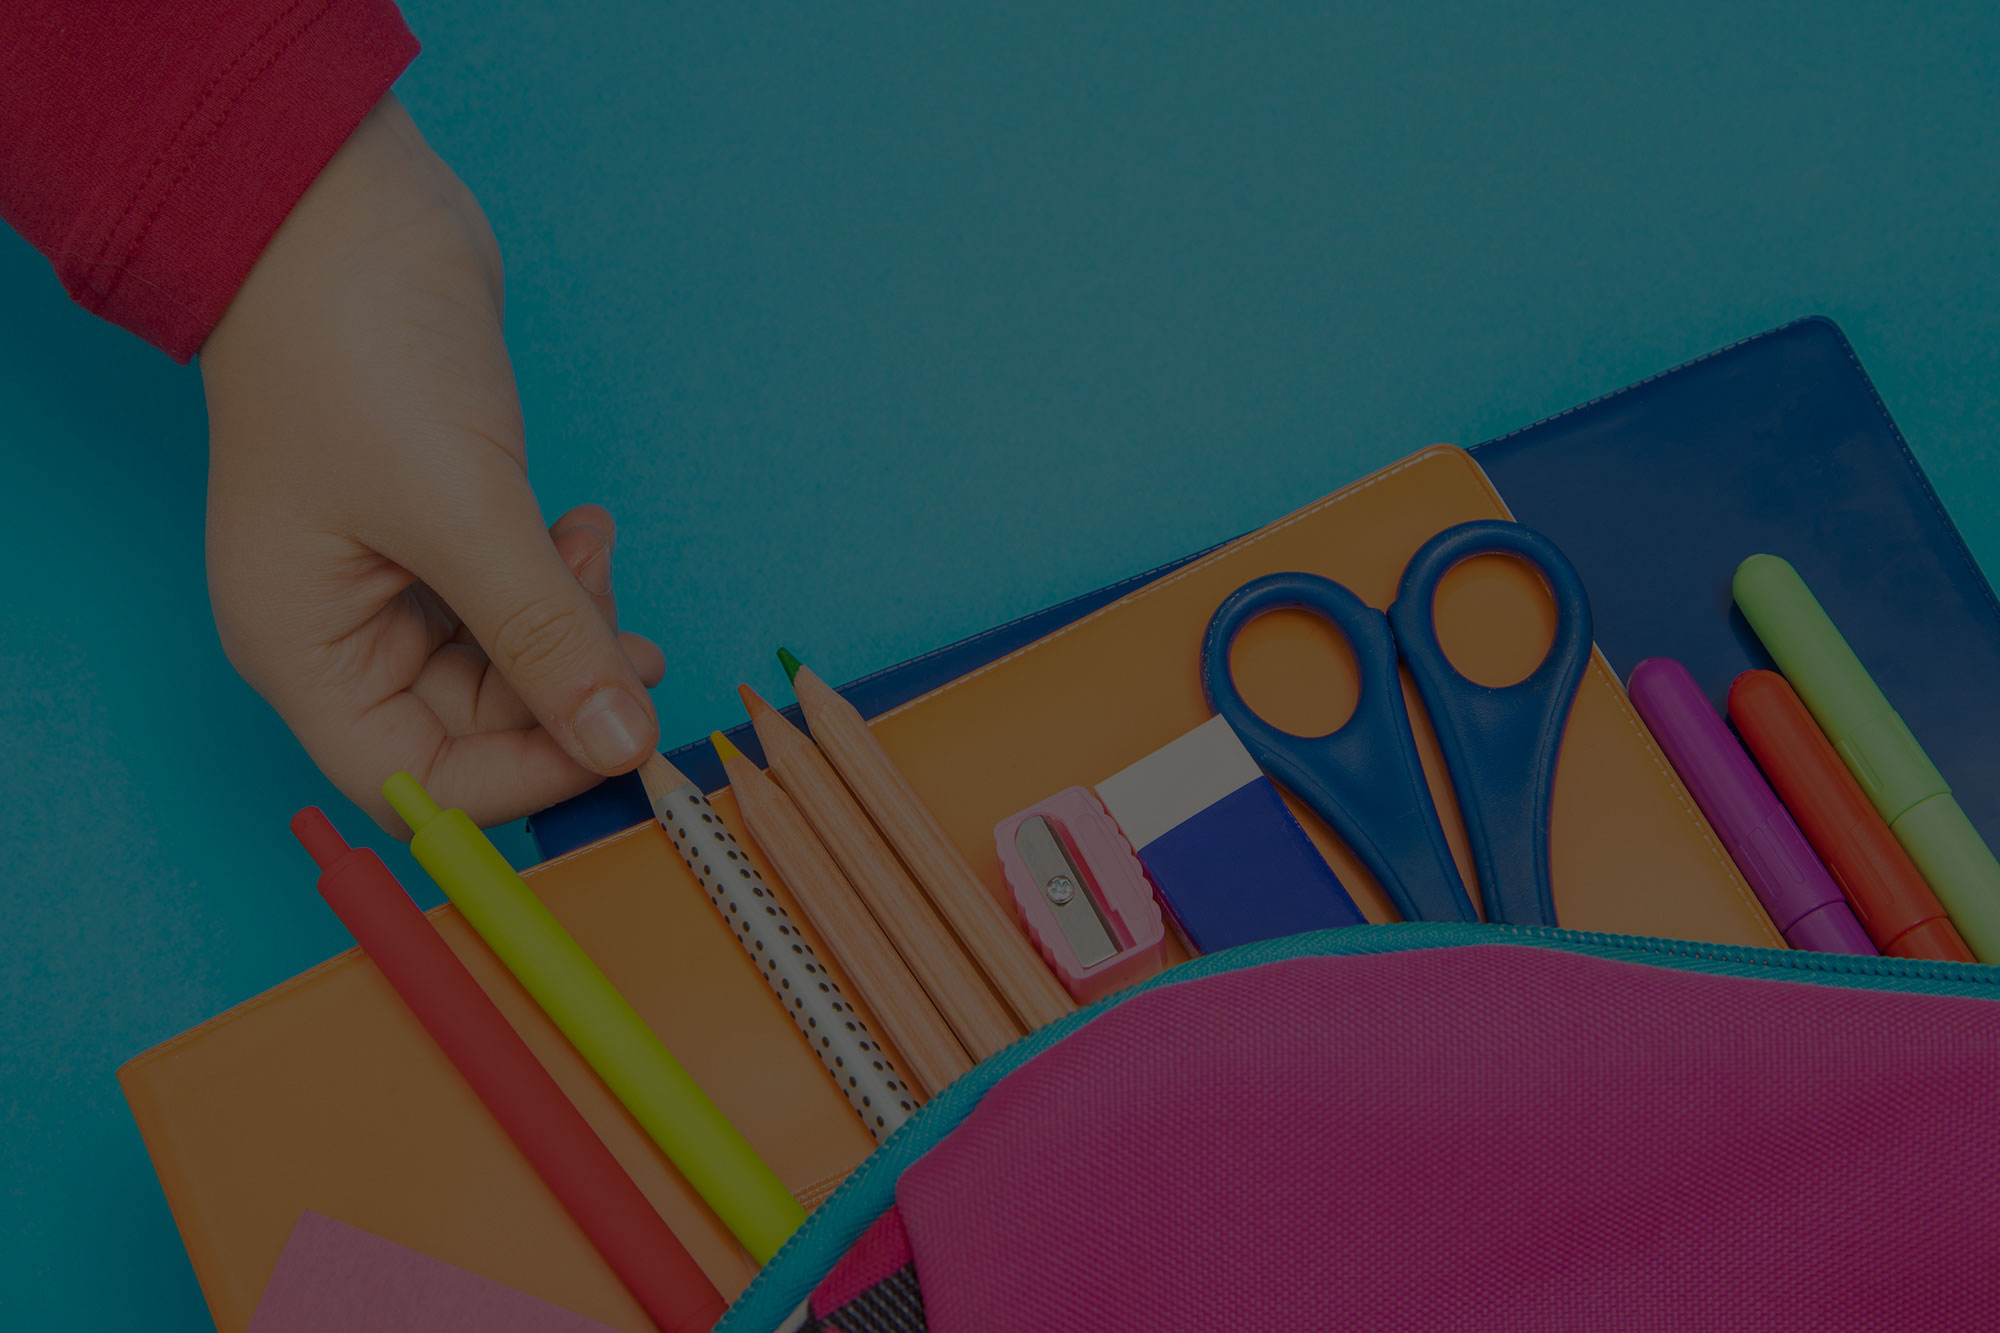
(1439, 1127)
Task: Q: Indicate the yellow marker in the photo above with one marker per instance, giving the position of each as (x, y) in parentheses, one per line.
(640, 1071)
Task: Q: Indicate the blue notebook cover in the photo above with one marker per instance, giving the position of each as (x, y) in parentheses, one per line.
(1778, 443)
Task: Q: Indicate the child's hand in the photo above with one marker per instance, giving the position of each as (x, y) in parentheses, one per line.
(377, 562)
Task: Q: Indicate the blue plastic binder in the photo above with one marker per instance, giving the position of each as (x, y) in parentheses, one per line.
(1777, 444)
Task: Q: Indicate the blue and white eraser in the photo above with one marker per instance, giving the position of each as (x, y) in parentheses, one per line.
(1227, 859)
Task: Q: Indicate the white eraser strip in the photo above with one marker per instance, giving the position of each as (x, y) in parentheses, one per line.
(1177, 781)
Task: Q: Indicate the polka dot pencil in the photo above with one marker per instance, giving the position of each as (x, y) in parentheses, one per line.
(878, 1093)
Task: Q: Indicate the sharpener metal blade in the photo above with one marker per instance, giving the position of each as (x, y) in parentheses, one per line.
(1066, 891)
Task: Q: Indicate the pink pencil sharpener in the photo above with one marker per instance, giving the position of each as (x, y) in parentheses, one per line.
(1081, 893)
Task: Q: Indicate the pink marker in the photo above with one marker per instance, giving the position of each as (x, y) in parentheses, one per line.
(1803, 901)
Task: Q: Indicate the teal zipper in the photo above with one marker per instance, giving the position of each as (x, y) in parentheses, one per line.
(869, 1191)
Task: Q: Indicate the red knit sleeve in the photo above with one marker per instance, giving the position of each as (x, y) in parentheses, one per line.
(150, 148)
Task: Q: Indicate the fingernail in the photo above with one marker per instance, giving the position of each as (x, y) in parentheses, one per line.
(595, 575)
(594, 570)
(609, 727)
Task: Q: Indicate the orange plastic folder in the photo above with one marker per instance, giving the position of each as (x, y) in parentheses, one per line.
(325, 1095)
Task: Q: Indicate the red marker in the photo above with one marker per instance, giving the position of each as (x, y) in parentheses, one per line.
(1889, 895)
(550, 1132)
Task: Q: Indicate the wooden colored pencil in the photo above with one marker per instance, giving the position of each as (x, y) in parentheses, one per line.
(995, 942)
(982, 1022)
(860, 1068)
(909, 1019)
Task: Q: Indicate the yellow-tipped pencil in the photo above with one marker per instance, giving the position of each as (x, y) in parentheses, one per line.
(861, 1069)
(982, 1022)
(996, 944)
(909, 1019)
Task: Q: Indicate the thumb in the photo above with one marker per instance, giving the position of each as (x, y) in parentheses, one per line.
(510, 586)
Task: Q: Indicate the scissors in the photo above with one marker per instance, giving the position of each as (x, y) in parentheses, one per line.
(1500, 744)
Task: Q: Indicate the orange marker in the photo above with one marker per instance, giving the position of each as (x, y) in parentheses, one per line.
(1894, 903)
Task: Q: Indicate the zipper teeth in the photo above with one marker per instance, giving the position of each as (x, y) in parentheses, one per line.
(846, 1186)
(1076, 1019)
(1433, 935)
(1803, 960)
(1082, 1015)
(903, 1131)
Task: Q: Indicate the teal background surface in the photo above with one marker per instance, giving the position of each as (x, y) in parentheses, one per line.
(877, 325)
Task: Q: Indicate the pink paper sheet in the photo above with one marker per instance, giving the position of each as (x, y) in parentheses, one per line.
(333, 1278)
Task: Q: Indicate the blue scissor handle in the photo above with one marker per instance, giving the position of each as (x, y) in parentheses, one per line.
(1500, 744)
(1364, 779)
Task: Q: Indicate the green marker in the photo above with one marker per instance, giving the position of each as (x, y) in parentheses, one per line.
(751, 1201)
(1906, 787)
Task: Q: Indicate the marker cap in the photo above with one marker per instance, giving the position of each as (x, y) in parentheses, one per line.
(1936, 939)
(1888, 895)
(1960, 868)
(1765, 843)
(1850, 708)
(1829, 929)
